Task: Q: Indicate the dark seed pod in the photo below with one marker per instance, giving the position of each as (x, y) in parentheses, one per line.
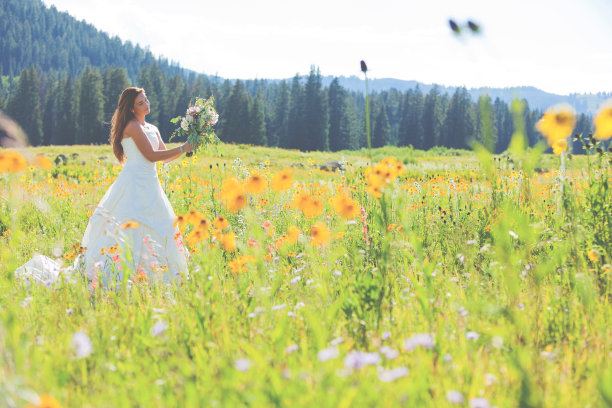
(364, 67)
(454, 27)
(473, 26)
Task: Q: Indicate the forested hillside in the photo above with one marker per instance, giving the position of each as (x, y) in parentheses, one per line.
(57, 43)
(61, 79)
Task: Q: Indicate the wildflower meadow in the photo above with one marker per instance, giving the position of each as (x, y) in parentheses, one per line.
(403, 278)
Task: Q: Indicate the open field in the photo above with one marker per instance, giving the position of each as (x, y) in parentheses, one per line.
(454, 283)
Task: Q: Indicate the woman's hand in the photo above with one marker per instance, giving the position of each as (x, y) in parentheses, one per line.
(187, 147)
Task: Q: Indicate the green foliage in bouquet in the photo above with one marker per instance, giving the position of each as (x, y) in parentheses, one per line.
(197, 124)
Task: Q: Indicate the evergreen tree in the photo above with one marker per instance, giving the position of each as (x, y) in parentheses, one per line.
(504, 125)
(280, 122)
(434, 112)
(50, 113)
(115, 81)
(25, 106)
(236, 116)
(393, 100)
(350, 125)
(531, 117)
(316, 116)
(3, 95)
(91, 109)
(342, 132)
(66, 128)
(296, 118)
(220, 104)
(153, 81)
(257, 122)
(459, 124)
(411, 130)
(382, 131)
(177, 99)
(486, 133)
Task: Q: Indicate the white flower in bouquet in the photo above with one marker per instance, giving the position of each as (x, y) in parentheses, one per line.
(197, 123)
(214, 118)
(185, 125)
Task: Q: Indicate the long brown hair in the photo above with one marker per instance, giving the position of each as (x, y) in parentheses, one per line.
(123, 114)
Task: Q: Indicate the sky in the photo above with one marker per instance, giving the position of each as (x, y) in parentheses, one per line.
(559, 46)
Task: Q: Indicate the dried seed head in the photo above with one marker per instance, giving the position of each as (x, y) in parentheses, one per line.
(364, 67)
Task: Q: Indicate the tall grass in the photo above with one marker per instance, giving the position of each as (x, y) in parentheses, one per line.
(457, 284)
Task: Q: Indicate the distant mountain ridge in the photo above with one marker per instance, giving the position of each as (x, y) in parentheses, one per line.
(537, 99)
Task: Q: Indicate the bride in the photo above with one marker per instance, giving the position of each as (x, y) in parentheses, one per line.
(132, 230)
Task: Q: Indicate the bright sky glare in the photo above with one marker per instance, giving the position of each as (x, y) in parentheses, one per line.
(559, 46)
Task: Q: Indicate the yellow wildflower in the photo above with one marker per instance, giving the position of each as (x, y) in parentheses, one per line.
(129, 224)
(217, 235)
(593, 256)
(229, 242)
(557, 123)
(233, 194)
(229, 187)
(312, 207)
(239, 264)
(603, 121)
(559, 146)
(256, 184)
(42, 162)
(220, 222)
(292, 234)
(196, 236)
(319, 234)
(193, 217)
(46, 401)
(345, 206)
(236, 202)
(282, 180)
(375, 191)
(180, 221)
(12, 161)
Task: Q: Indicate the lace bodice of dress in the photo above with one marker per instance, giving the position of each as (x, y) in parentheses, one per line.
(134, 157)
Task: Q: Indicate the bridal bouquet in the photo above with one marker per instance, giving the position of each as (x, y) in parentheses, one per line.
(197, 123)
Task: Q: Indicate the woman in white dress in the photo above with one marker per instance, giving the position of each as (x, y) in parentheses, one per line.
(133, 227)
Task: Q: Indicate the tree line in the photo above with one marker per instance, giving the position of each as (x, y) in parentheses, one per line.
(296, 114)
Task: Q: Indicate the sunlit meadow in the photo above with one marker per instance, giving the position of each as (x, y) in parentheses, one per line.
(409, 278)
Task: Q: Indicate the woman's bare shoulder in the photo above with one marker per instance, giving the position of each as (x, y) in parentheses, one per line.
(131, 128)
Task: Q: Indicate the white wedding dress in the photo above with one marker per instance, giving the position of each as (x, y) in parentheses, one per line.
(132, 229)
